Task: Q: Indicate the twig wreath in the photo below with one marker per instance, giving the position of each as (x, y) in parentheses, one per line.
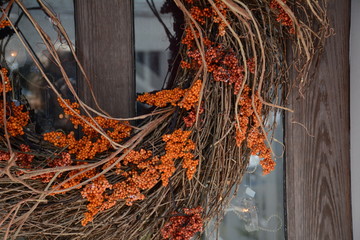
(168, 177)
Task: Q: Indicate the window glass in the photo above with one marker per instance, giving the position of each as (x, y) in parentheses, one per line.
(28, 83)
(257, 210)
(151, 44)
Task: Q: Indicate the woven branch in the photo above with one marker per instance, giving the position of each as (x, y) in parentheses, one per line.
(236, 56)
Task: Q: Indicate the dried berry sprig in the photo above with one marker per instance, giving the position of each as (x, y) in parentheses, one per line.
(183, 226)
(92, 142)
(140, 171)
(281, 16)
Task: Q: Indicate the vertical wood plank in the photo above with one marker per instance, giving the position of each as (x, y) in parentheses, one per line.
(318, 167)
(104, 41)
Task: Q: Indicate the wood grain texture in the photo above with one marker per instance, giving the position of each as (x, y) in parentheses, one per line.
(104, 41)
(318, 167)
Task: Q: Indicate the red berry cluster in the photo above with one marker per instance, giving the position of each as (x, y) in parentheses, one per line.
(203, 13)
(223, 64)
(183, 226)
(24, 159)
(190, 119)
(62, 160)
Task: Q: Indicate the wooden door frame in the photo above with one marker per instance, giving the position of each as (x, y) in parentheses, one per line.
(104, 45)
(317, 140)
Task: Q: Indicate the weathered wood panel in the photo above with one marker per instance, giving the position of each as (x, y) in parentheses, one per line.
(104, 41)
(318, 167)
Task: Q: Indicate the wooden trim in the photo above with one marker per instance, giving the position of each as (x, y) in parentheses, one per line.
(318, 167)
(104, 42)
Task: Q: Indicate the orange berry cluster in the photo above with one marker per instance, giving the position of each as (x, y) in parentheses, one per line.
(178, 145)
(94, 193)
(141, 174)
(4, 24)
(7, 82)
(222, 62)
(141, 171)
(116, 130)
(18, 120)
(184, 98)
(92, 142)
(217, 19)
(162, 98)
(76, 180)
(256, 142)
(246, 111)
(191, 96)
(282, 17)
(250, 130)
(183, 226)
(137, 180)
(110, 162)
(200, 14)
(185, 64)
(189, 38)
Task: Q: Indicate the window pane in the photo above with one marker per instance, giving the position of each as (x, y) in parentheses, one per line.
(257, 211)
(151, 45)
(28, 81)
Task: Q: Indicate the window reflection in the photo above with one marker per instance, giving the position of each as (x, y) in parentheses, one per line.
(151, 45)
(29, 84)
(257, 211)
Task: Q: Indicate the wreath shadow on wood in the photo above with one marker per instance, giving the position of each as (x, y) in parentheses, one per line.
(118, 181)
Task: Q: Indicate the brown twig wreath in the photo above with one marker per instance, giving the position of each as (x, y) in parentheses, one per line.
(177, 169)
